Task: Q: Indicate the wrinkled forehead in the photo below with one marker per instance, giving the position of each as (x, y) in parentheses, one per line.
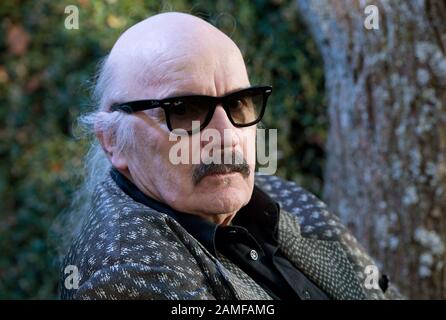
(154, 66)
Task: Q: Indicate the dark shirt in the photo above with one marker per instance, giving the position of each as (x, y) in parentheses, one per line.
(250, 241)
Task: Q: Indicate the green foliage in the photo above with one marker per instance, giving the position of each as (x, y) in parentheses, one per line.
(44, 85)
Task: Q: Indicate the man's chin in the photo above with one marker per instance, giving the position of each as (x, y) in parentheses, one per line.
(223, 192)
(224, 203)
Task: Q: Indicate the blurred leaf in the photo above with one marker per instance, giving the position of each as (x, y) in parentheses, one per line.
(17, 39)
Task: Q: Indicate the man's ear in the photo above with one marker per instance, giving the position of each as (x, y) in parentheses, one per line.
(108, 145)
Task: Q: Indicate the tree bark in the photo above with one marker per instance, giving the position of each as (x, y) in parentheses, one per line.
(385, 174)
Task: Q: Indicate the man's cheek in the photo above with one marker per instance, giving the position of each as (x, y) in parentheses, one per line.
(249, 150)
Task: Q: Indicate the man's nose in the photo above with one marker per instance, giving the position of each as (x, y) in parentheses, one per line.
(220, 122)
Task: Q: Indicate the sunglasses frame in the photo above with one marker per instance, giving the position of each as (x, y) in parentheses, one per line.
(213, 102)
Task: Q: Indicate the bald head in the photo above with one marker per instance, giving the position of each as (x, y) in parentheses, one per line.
(173, 53)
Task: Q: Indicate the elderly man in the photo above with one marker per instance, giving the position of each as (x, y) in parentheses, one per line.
(162, 230)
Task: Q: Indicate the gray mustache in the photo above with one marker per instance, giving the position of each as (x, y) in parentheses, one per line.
(238, 164)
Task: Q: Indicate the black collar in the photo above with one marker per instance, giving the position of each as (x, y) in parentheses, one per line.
(260, 216)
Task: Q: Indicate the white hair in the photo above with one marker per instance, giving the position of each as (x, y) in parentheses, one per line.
(96, 165)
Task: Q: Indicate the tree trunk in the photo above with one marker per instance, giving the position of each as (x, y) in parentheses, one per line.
(386, 165)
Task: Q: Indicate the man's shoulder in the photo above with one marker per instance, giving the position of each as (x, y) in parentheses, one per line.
(126, 249)
(120, 230)
(124, 219)
(312, 215)
(306, 215)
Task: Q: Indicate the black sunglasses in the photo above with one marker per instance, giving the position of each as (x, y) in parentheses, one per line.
(244, 108)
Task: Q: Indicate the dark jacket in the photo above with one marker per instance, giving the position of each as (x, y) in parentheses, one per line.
(127, 250)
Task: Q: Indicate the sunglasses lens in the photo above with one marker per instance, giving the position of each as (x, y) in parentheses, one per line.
(247, 108)
(183, 112)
